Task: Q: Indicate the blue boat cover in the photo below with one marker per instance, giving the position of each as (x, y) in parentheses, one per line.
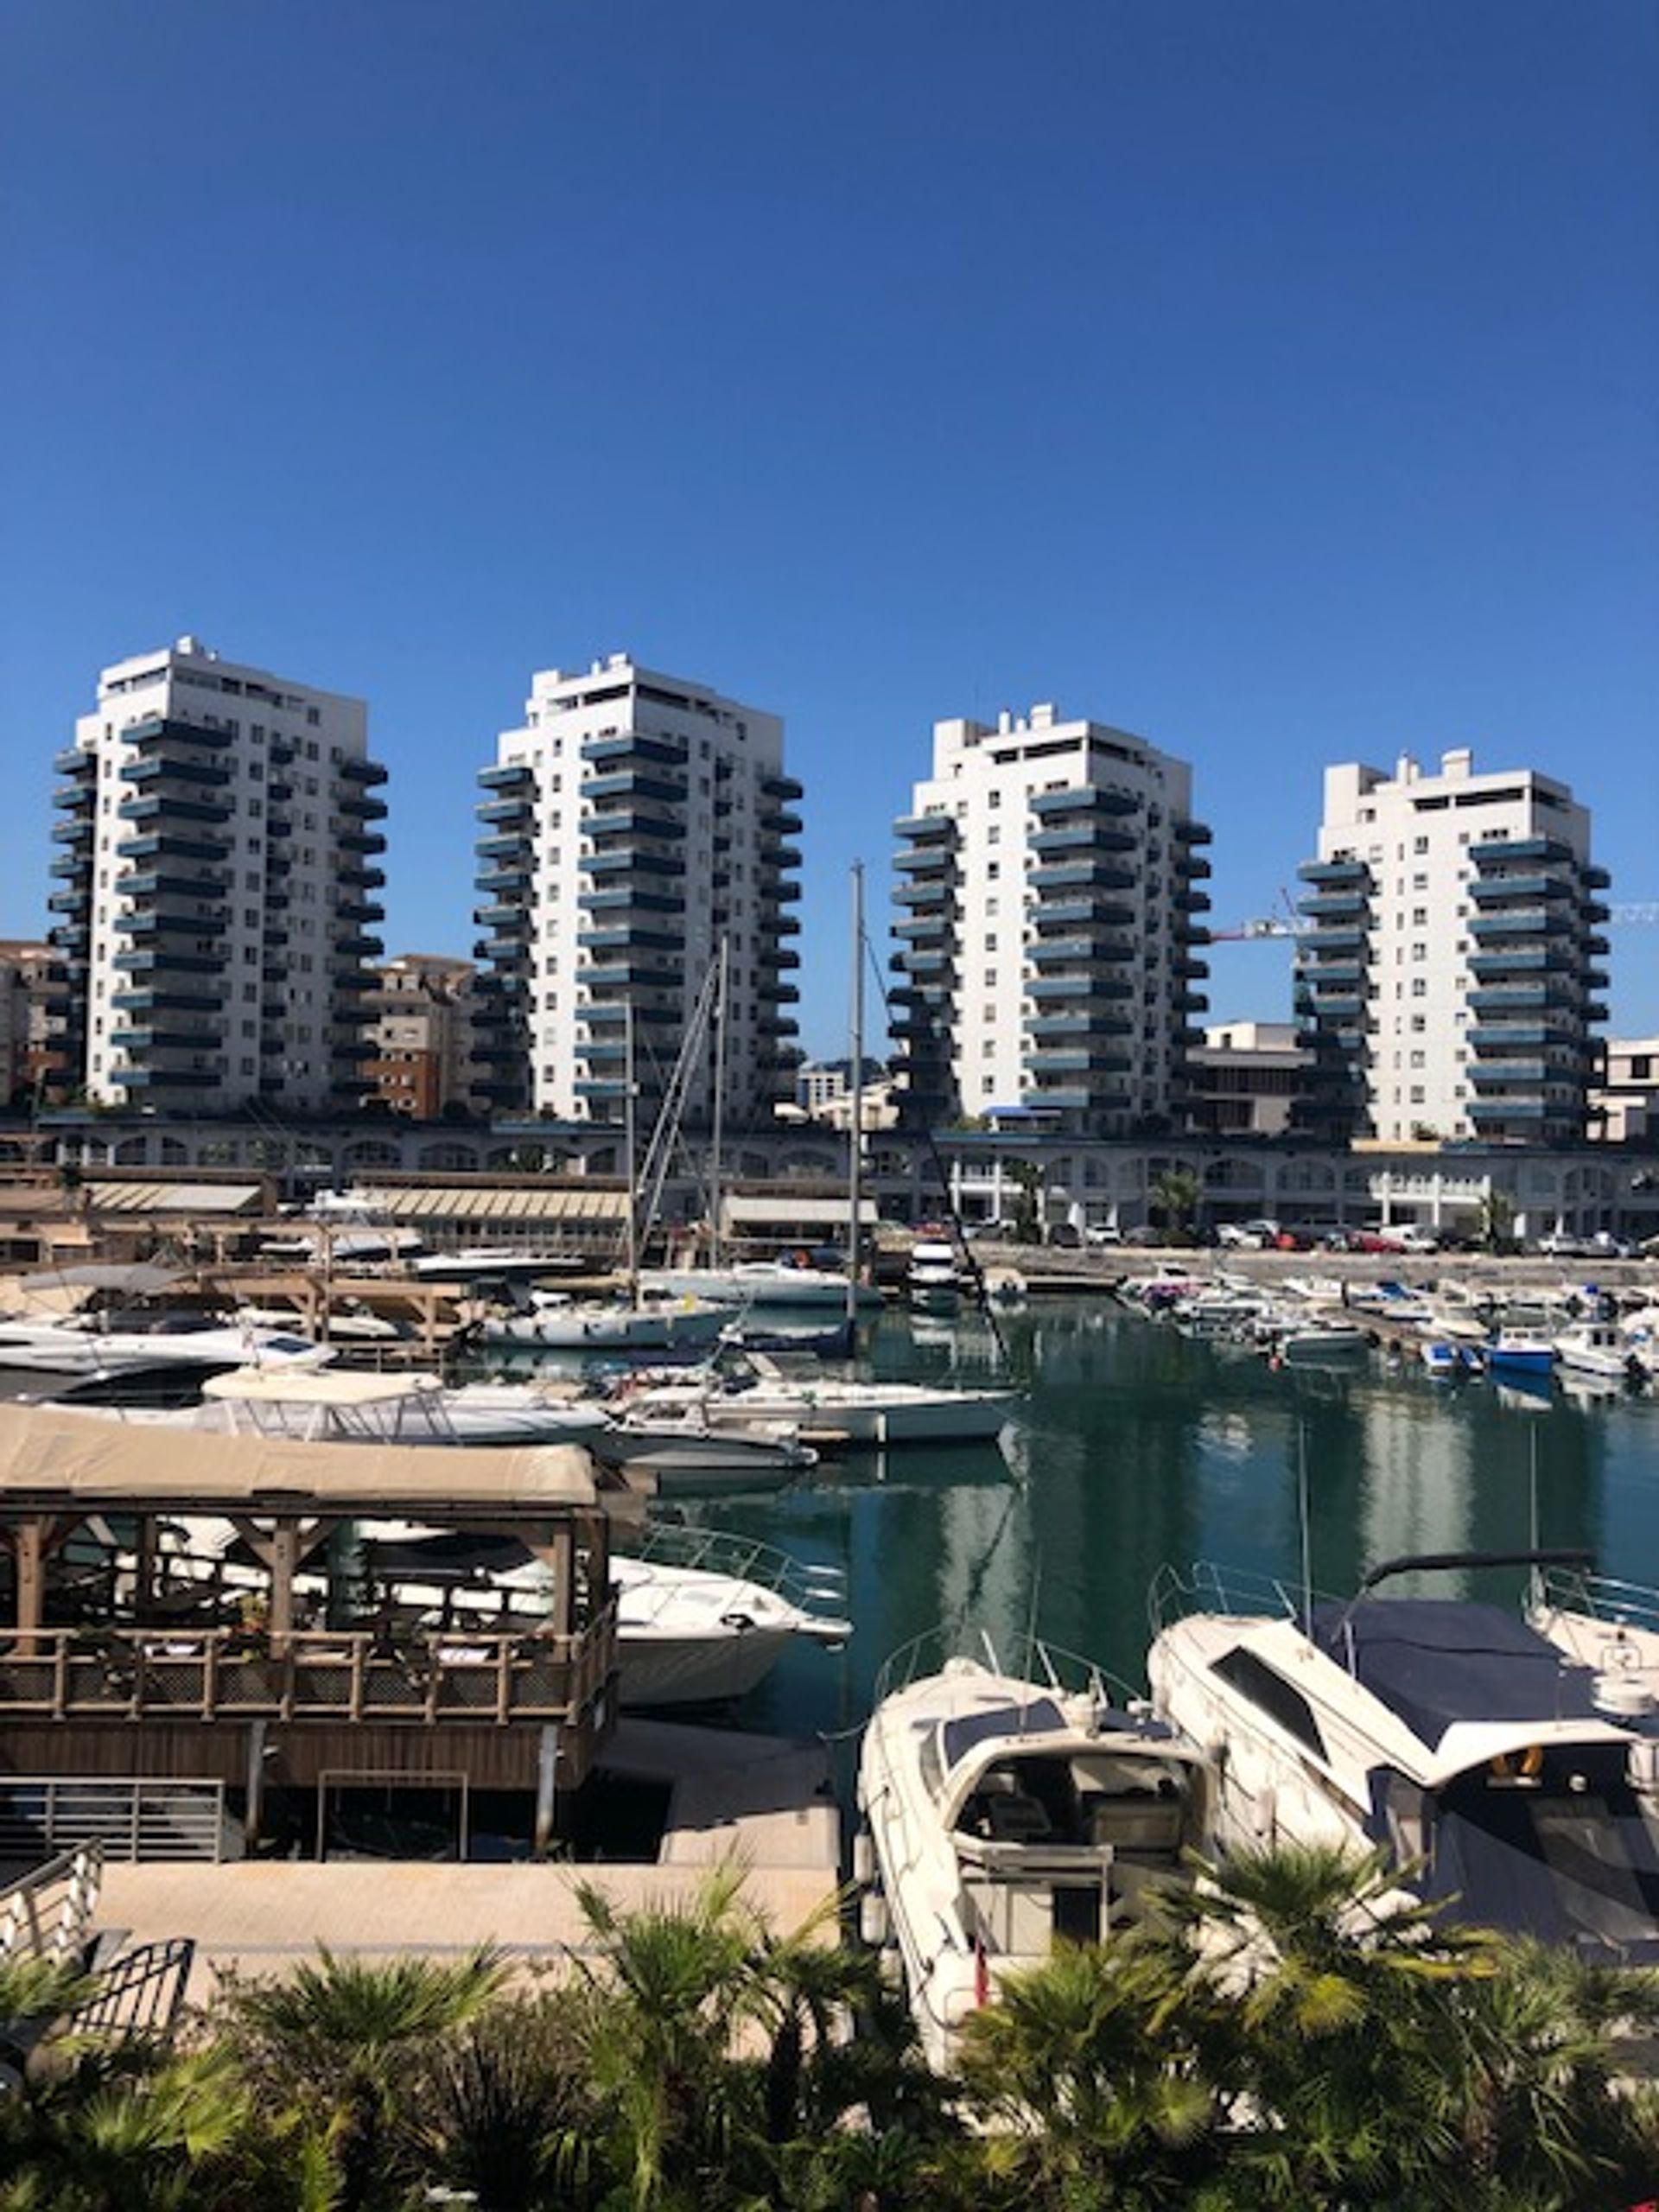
(1042, 1715)
(1434, 1662)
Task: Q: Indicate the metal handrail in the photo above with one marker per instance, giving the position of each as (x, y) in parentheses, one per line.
(1210, 1586)
(46, 1913)
(1602, 1596)
(811, 1589)
(1045, 1666)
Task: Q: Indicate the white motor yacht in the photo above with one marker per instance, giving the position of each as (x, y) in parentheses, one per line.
(1001, 1813)
(1597, 1348)
(930, 1276)
(1495, 1770)
(752, 1386)
(104, 1344)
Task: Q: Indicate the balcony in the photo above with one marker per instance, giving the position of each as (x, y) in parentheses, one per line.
(512, 776)
(1519, 998)
(166, 1001)
(632, 862)
(1068, 1061)
(158, 730)
(1335, 906)
(635, 783)
(71, 902)
(1082, 1021)
(1044, 988)
(625, 822)
(780, 822)
(75, 762)
(626, 897)
(1491, 890)
(163, 1078)
(1338, 940)
(357, 841)
(364, 809)
(363, 772)
(1485, 1074)
(163, 1040)
(1084, 799)
(1192, 833)
(1490, 966)
(625, 937)
(786, 788)
(1074, 875)
(1493, 1111)
(925, 894)
(74, 833)
(918, 962)
(194, 775)
(925, 929)
(1323, 973)
(1069, 914)
(155, 883)
(163, 807)
(1505, 852)
(1081, 837)
(1354, 873)
(634, 745)
(1529, 921)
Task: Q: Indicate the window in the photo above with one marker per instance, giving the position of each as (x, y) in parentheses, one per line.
(1419, 988)
(1253, 1679)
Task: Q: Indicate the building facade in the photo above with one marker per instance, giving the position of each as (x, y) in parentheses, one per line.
(1624, 1105)
(635, 828)
(1049, 895)
(422, 1034)
(1448, 984)
(214, 882)
(1247, 1079)
(33, 1016)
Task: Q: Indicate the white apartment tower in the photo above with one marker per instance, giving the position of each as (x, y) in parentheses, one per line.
(636, 826)
(214, 884)
(1049, 890)
(1446, 985)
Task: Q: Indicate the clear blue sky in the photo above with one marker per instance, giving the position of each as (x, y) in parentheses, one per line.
(1276, 380)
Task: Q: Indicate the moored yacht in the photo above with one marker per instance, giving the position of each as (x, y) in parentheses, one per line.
(1495, 1769)
(1597, 1348)
(750, 1386)
(1003, 1812)
(113, 1343)
(551, 1321)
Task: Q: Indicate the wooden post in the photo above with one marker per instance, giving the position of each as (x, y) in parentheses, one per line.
(547, 1768)
(28, 1541)
(254, 1813)
(284, 1558)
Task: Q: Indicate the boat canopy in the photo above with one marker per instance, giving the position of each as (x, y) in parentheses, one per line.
(260, 1386)
(60, 1461)
(1438, 1661)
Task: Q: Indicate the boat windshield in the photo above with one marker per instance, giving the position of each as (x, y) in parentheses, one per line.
(1567, 1854)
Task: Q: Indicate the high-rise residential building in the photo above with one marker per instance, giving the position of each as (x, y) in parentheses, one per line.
(1446, 986)
(636, 829)
(1049, 966)
(215, 879)
(33, 1006)
(422, 1034)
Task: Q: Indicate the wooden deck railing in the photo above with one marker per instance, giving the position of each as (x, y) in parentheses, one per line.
(311, 1675)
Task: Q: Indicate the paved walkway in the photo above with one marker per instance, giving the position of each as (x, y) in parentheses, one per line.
(758, 1799)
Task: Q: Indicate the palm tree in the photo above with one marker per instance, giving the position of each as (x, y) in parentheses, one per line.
(130, 2125)
(1175, 1196)
(1495, 1219)
(335, 2047)
(1089, 2078)
(505, 2109)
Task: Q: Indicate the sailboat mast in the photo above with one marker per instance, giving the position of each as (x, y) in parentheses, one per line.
(723, 965)
(856, 1117)
(630, 1148)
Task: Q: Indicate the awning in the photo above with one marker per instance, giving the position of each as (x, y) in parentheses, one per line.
(793, 1213)
(52, 1461)
(176, 1198)
(466, 1202)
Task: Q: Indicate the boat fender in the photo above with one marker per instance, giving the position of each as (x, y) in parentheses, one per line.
(863, 1856)
(741, 1621)
(875, 1923)
(1264, 1815)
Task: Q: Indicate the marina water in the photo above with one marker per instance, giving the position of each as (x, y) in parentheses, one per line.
(1137, 1445)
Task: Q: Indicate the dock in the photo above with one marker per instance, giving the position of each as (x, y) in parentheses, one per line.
(763, 1801)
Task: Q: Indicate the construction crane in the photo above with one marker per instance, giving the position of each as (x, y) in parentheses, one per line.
(1639, 914)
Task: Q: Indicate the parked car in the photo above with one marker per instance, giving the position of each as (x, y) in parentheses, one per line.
(1103, 1232)
(1557, 1244)
(1247, 1236)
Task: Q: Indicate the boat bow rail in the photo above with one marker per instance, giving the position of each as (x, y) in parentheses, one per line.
(1207, 1587)
(817, 1592)
(1064, 1674)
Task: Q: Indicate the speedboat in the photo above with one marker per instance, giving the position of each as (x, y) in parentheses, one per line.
(1444, 1362)
(1513, 1352)
(931, 1271)
(1475, 1750)
(472, 1263)
(1002, 1812)
(106, 1343)
(753, 1387)
(1597, 1348)
(306, 1408)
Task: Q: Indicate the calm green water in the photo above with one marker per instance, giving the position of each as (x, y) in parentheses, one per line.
(1137, 1447)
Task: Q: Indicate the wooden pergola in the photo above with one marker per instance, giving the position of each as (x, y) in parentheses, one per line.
(154, 1691)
